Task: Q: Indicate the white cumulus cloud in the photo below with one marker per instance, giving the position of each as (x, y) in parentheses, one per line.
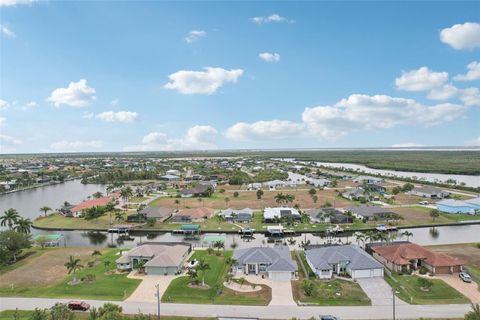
(71, 146)
(202, 82)
(462, 36)
(420, 80)
(8, 144)
(6, 31)
(4, 104)
(198, 137)
(120, 116)
(269, 57)
(77, 94)
(12, 3)
(472, 74)
(195, 35)
(268, 19)
(2, 121)
(263, 130)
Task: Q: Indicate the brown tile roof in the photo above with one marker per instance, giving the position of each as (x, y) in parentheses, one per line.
(100, 202)
(403, 253)
(196, 213)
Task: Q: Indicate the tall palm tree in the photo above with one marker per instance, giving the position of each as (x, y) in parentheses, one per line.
(203, 266)
(407, 234)
(177, 203)
(119, 215)
(45, 209)
(9, 218)
(23, 225)
(73, 265)
(280, 198)
(434, 214)
(126, 193)
(97, 195)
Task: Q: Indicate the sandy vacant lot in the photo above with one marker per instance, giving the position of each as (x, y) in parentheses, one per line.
(249, 199)
(417, 215)
(44, 269)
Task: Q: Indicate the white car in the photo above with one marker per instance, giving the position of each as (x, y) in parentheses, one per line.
(465, 277)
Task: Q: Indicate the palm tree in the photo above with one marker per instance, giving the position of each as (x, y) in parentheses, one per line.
(360, 238)
(9, 218)
(219, 245)
(73, 265)
(126, 193)
(106, 263)
(119, 215)
(474, 314)
(434, 214)
(23, 225)
(97, 195)
(289, 198)
(110, 188)
(192, 274)
(203, 266)
(96, 253)
(280, 198)
(227, 200)
(177, 202)
(45, 209)
(407, 234)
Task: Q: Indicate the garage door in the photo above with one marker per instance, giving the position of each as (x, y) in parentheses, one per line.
(280, 275)
(368, 273)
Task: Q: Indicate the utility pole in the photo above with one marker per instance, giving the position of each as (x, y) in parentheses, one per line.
(157, 286)
(393, 296)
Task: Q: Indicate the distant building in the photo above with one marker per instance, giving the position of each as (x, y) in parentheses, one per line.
(272, 214)
(328, 215)
(240, 216)
(355, 194)
(429, 192)
(469, 206)
(192, 215)
(369, 212)
(368, 179)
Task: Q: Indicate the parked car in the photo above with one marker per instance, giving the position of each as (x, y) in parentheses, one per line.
(78, 305)
(465, 277)
(328, 317)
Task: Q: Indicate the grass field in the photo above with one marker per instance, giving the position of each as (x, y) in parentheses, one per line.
(57, 220)
(409, 291)
(50, 278)
(26, 315)
(179, 292)
(137, 199)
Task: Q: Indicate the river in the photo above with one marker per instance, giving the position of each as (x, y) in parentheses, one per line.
(469, 180)
(28, 202)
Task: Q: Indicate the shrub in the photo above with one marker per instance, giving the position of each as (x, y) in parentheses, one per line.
(423, 270)
(424, 283)
(308, 287)
(151, 222)
(236, 194)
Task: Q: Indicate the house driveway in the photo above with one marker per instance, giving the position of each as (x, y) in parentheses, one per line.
(379, 291)
(146, 290)
(281, 290)
(469, 290)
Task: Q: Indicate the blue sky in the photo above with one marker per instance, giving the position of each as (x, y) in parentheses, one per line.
(127, 76)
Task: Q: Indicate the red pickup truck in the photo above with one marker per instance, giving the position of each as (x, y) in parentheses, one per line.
(78, 305)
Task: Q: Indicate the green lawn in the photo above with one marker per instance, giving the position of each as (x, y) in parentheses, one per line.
(179, 292)
(137, 199)
(57, 220)
(105, 287)
(410, 292)
(460, 217)
(26, 314)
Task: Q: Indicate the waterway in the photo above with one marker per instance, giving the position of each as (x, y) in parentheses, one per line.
(28, 202)
(468, 180)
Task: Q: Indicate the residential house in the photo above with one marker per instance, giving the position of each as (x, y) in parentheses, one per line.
(209, 183)
(170, 177)
(368, 179)
(157, 258)
(369, 212)
(327, 261)
(76, 211)
(240, 216)
(318, 182)
(470, 206)
(374, 187)
(405, 256)
(173, 172)
(274, 262)
(192, 215)
(355, 194)
(159, 213)
(328, 215)
(254, 186)
(429, 192)
(274, 184)
(274, 214)
(199, 190)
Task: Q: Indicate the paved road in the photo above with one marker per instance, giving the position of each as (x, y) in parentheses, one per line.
(268, 312)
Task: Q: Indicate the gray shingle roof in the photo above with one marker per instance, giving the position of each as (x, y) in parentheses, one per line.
(357, 258)
(277, 258)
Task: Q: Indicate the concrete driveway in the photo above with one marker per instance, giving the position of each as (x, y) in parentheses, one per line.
(379, 292)
(469, 290)
(281, 290)
(146, 290)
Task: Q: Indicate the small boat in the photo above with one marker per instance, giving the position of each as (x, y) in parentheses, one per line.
(382, 227)
(336, 229)
(192, 264)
